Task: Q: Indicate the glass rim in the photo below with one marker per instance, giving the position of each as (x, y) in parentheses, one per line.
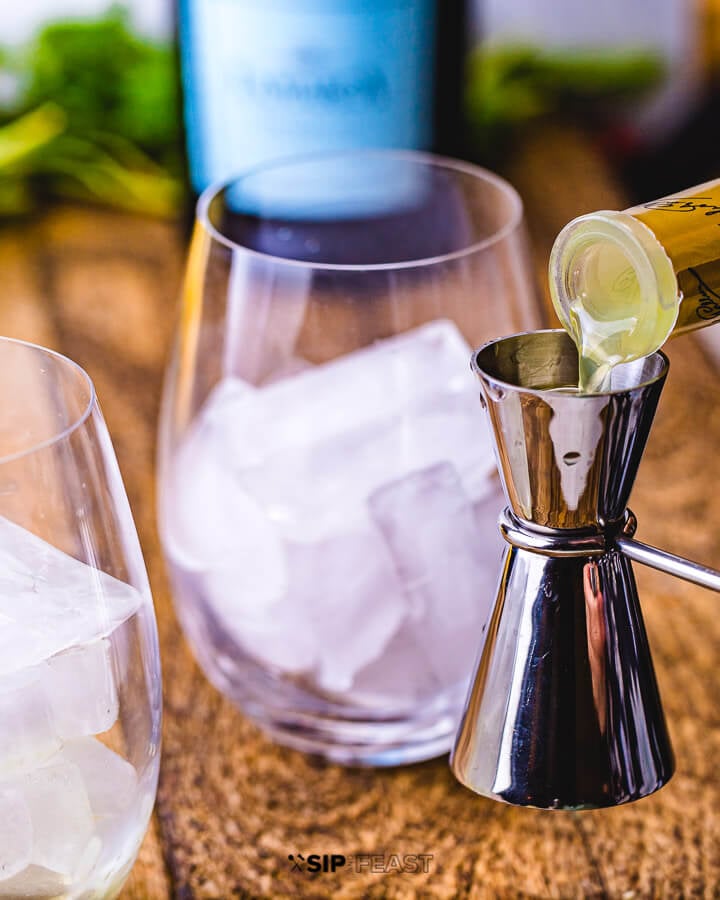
(77, 422)
(415, 156)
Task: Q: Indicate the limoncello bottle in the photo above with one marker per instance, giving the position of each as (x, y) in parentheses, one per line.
(623, 282)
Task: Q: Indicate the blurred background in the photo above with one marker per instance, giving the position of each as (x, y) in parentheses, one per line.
(114, 115)
(92, 94)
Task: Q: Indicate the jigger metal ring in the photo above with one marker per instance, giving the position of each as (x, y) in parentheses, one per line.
(558, 542)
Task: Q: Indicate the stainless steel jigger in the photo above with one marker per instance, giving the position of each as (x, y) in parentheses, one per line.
(564, 712)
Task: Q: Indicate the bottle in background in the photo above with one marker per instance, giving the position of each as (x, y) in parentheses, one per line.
(276, 78)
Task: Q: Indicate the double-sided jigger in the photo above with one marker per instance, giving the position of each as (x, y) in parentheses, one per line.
(564, 711)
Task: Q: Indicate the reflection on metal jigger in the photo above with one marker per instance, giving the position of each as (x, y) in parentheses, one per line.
(564, 710)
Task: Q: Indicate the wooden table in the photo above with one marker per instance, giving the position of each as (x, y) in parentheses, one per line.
(102, 288)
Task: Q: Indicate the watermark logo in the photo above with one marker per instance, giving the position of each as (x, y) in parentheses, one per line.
(316, 862)
(362, 863)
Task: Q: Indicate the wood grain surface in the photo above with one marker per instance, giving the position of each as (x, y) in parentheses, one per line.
(102, 288)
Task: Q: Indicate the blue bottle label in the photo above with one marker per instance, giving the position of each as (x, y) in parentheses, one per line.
(266, 79)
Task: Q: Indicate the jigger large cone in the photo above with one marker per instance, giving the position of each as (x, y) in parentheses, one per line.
(564, 711)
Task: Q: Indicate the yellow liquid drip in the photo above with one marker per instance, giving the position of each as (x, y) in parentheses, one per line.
(609, 319)
(601, 346)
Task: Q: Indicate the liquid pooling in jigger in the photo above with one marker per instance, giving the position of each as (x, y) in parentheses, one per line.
(73, 807)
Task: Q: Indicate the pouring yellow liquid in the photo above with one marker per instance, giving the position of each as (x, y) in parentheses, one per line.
(623, 282)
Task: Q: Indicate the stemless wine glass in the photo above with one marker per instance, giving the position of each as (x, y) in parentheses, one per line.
(328, 497)
(80, 700)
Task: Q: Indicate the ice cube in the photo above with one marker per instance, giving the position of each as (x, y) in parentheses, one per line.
(20, 643)
(81, 687)
(34, 883)
(273, 638)
(110, 780)
(213, 526)
(342, 606)
(376, 383)
(60, 814)
(346, 600)
(55, 599)
(86, 866)
(227, 398)
(441, 558)
(402, 676)
(27, 732)
(399, 678)
(16, 833)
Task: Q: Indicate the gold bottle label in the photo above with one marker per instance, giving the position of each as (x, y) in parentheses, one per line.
(700, 287)
(687, 225)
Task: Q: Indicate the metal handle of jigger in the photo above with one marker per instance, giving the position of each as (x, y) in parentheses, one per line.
(669, 562)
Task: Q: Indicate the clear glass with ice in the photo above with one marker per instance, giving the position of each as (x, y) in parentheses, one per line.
(80, 704)
(328, 494)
